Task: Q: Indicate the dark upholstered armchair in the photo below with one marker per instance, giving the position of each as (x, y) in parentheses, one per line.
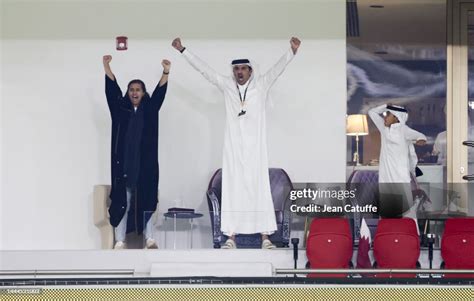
(280, 185)
(368, 192)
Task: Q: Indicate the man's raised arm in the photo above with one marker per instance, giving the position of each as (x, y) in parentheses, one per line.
(206, 71)
(374, 114)
(270, 77)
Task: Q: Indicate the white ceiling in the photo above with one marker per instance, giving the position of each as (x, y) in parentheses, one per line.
(165, 19)
(406, 29)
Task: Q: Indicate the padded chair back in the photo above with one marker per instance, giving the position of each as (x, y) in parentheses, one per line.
(396, 245)
(280, 185)
(216, 183)
(364, 176)
(367, 184)
(329, 245)
(457, 246)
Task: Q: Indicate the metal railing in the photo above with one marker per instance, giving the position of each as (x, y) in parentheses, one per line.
(373, 271)
(118, 272)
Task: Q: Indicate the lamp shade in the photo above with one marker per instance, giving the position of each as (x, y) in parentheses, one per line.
(357, 125)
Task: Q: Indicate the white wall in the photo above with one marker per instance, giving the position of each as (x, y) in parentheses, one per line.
(56, 126)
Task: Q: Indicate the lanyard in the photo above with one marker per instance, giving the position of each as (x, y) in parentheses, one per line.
(242, 100)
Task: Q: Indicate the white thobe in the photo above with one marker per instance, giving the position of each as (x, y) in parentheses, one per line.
(397, 162)
(247, 205)
(440, 148)
(395, 165)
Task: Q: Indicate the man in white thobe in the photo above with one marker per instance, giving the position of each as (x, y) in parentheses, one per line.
(398, 159)
(247, 205)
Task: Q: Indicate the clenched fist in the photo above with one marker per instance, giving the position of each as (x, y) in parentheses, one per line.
(420, 142)
(166, 65)
(177, 44)
(295, 44)
(107, 59)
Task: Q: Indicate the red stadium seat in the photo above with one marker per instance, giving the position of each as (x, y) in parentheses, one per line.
(329, 245)
(457, 246)
(396, 246)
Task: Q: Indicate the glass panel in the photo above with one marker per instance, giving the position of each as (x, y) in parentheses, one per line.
(407, 70)
(470, 104)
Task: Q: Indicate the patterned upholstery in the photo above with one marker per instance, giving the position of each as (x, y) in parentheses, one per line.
(280, 185)
(366, 182)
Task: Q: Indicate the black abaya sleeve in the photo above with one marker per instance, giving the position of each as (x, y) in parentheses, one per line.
(113, 94)
(158, 96)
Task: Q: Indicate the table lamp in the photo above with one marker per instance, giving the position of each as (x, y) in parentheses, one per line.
(357, 126)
